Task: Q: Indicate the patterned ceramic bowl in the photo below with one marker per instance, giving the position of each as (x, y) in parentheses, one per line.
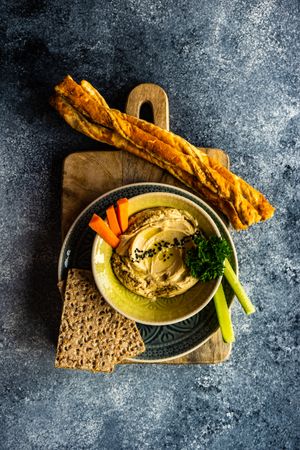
(161, 311)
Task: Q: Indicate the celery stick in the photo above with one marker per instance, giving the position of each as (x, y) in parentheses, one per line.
(223, 315)
(238, 288)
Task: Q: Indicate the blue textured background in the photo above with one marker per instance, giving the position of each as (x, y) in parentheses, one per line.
(231, 70)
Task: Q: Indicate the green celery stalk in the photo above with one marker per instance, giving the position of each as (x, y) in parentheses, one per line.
(223, 314)
(238, 288)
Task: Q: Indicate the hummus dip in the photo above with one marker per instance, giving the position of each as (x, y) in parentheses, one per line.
(149, 260)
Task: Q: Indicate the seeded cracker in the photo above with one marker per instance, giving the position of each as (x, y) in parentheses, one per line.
(93, 336)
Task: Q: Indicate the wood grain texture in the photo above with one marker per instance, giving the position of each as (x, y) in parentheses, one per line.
(158, 99)
(87, 175)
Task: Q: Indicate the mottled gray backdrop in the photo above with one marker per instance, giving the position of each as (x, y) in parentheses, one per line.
(231, 70)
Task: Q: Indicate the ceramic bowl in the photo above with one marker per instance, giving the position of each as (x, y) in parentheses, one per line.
(162, 311)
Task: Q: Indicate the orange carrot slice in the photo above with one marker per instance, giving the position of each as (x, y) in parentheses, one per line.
(122, 213)
(113, 221)
(97, 224)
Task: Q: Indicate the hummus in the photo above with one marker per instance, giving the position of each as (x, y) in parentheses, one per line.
(150, 257)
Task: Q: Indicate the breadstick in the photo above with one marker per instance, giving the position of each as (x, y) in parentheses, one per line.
(174, 153)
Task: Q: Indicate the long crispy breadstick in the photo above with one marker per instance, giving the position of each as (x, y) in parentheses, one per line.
(175, 154)
(144, 140)
(200, 161)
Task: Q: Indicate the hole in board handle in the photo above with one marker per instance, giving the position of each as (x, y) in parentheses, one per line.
(146, 112)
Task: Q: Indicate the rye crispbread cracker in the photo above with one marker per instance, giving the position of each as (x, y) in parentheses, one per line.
(93, 336)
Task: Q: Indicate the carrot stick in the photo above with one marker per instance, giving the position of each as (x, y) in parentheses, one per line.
(122, 213)
(97, 224)
(113, 221)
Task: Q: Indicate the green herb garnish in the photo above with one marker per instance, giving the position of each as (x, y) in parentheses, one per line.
(206, 259)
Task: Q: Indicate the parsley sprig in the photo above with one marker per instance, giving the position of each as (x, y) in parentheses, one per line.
(206, 259)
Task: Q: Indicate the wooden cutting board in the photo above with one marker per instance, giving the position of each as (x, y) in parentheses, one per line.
(87, 175)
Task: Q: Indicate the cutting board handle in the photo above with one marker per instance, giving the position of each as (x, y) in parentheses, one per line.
(156, 97)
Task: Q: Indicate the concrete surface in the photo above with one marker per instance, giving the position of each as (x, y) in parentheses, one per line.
(231, 70)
